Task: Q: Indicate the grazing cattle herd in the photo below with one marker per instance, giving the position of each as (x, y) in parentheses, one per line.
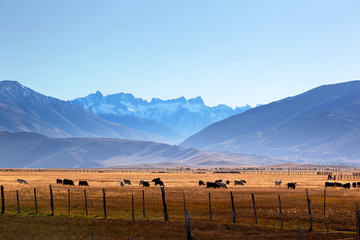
(216, 184)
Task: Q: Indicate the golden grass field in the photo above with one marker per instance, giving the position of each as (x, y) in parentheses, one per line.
(340, 207)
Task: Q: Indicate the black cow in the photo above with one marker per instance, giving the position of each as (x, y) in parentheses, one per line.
(346, 185)
(337, 184)
(59, 181)
(22, 181)
(291, 185)
(83, 183)
(212, 185)
(358, 184)
(159, 182)
(219, 180)
(68, 182)
(354, 184)
(146, 184)
(227, 182)
(201, 183)
(329, 184)
(155, 179)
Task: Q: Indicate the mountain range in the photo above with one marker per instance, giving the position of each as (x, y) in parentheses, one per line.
(174, 119)
(31, 150)
(24, 110)
(321, 125)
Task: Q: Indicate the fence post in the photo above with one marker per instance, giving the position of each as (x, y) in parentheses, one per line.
(2, 200)
(68, 201)
(210, 207)
(357, 225)
(310, 218)
(184, 205)
(18, 201)
(104, 202)
(36, 208)
(357, 207)
(281, 220)
(233, 207)
(327, 228)
(166, 217)
(143, 195)
(253, 200)
(51, 201)
(86, 207)
(132, 207)
(303, 234)
(189, 235)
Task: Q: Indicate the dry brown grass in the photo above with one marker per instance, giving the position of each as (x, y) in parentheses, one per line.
(340, 207)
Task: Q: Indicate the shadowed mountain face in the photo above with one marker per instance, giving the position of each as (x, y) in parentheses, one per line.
(322, 124)
(22, 109)
(32, 150)
(174, 119)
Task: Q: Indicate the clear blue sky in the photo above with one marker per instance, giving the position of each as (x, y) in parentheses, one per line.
(229, 52)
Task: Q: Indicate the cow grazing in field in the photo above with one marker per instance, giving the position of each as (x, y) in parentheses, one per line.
(219, 180)
(222, 185)
(122, 183)
(358, 184)
(346, 185)
(243, 181)
(354, 184)
(278, 183)
(337, 184)
(237, 182)
(83, 183)
(127, 181)
(22, 181)
(201, 183)
(59, 181)
(212, 185)
(159, 182)
(291, 185)
(155, 179)
(68, 182)
(146, 184)
(227, 182)
(329, 184)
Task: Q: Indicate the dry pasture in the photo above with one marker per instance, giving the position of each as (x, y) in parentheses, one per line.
(340, 207)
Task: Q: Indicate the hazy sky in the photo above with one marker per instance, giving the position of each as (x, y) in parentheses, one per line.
(229, 52)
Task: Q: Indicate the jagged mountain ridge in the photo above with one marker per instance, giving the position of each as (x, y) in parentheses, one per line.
(321, 125)
(22, 109)
(184, 117)
(31, 150)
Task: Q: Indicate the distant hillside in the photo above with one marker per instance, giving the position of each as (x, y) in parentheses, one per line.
(321, 125)
(175, 119)
(22, 109)
(30, 150)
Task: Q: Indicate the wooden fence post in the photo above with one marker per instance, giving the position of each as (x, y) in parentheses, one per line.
(104, 202)
(233, 206)
(303, 234)
(189, 235)
(357, 225)
(166, 217)
(2, 200)
(281, 220)
(51, 201)
(68, 201)
(309, 207)
(143, 195)
(327, 228)
(36, 208)
(86, 207)
(253, 200)
(18, 201)
(132, 207)
(357, 207)
(184, 205)
(210, 207)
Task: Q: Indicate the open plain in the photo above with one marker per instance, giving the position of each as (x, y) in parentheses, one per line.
(119, 224)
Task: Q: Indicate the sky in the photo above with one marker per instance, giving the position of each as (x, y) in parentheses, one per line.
(232, 52)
